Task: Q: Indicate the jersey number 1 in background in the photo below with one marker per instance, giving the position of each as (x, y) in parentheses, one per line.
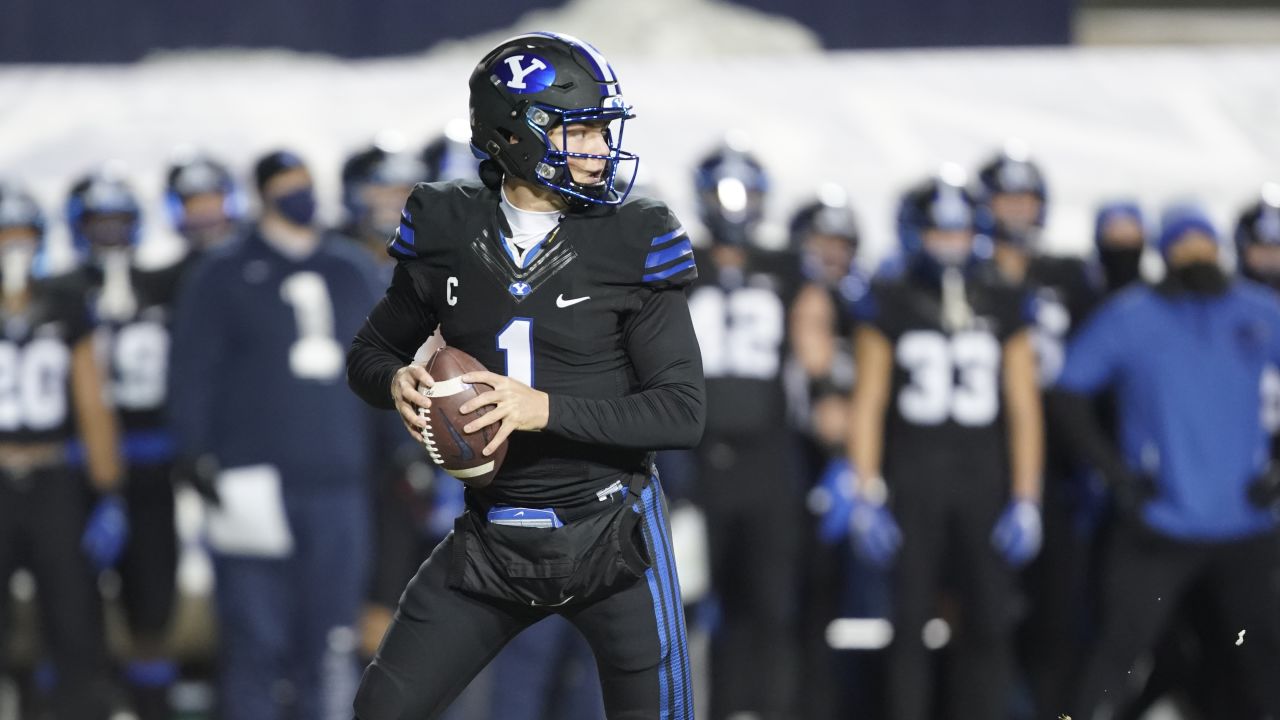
(516, 341)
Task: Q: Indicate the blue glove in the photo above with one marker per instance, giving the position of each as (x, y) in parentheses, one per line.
(876, 537)
(1018, 532)
(832, 500)
(106, 532)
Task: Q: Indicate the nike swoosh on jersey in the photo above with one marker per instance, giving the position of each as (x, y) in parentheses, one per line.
(562, 303)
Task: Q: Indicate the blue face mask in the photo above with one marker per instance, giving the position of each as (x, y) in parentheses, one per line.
(298, 207)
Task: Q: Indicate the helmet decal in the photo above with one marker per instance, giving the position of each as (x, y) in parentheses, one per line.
(525, 73)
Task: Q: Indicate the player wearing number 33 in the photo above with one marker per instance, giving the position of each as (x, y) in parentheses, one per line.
(574, 302)
(264, 423)
(947, 407)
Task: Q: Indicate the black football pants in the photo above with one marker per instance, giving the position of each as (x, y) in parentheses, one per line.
(946, 518)
(42, 517)
(1145, 577)
(750, 493)
(441, 638)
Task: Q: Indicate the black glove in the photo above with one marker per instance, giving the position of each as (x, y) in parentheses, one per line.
(1264, 491)
(1132, 491)
(200, 473)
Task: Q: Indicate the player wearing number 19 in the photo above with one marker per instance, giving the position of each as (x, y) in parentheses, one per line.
(263, 420)
(573, 301)
(49, 387)
(947, 430)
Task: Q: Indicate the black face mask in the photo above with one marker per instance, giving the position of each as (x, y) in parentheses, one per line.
(1120, 265)
(1200, 278)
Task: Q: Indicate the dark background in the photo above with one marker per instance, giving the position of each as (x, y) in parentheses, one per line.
(79, 31)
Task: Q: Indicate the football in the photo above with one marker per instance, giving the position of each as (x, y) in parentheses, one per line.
(459, 454)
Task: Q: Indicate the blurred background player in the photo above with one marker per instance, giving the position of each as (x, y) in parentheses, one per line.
(449, 156)
(946, 441)
(1257, 239)
(1185, 359)
(133, 308)
(1013, 201)
(376, 181)
(747, 475)
(50, 392)
(266, 421)
(205, 203)
(824, 234)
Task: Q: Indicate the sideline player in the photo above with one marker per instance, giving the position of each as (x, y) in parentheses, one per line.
(50, 392)
(947, 407)
(542, 271)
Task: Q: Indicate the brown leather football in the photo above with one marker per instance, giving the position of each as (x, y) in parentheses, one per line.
(459, 453)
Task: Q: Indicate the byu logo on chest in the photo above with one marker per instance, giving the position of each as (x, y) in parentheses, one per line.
(525, 73)
(519, 289)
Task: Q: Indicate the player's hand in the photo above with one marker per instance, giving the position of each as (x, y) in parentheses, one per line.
(106, 532)
(404, 393)
(876, 535)
(519, 407)
(1018, 532)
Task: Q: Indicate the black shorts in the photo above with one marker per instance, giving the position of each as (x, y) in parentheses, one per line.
(480, 588)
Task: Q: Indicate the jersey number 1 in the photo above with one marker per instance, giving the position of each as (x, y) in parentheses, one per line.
(516, 342)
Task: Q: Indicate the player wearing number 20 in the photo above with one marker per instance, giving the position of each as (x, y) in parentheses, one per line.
(574, 302)
(947, 407)
(49, 387)
(262, 418)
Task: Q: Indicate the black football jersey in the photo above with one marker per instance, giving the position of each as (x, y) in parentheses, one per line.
(558, 319)
(741, 317)
(946, 404)
(134, 351)
(1064, 295)
(36, 345)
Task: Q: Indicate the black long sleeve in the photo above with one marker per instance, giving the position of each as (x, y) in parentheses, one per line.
(1073, 416)
(669, 411)
(395, 329)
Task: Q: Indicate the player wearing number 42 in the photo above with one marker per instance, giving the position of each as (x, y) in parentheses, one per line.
(573, 300)
(257, 382)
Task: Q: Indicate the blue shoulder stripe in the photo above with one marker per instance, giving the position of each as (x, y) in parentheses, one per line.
(661, 239)
(406, 228)
(673, 270)
(666, 255)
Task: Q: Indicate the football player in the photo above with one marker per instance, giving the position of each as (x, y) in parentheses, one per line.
(574, 302)
(261, 418)
(946, 443)
(1257, 239)
(1190, 467)
(747, 478)
(50, 392)
(133, 308)
(1013, 198)
(375, 182)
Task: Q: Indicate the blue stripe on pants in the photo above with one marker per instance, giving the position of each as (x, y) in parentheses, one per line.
(673, 676)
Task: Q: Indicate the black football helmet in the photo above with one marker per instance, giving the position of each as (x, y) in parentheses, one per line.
(829, 214)
(732, 186)
(1259, 224)
(449, 156)
(1010, 171)
(19, 209)
(942, 202)
(102, 210)
(199, 174)
(536, 84)
(377, 165)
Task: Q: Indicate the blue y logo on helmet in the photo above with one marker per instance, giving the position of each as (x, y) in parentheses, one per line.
(525, 73)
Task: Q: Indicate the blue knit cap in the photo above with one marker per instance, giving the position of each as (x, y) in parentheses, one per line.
(1181, 218)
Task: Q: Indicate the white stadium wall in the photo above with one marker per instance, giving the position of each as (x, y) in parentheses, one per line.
(1155, 123)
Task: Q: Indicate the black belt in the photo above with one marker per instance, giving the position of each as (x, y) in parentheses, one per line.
(572, 513)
